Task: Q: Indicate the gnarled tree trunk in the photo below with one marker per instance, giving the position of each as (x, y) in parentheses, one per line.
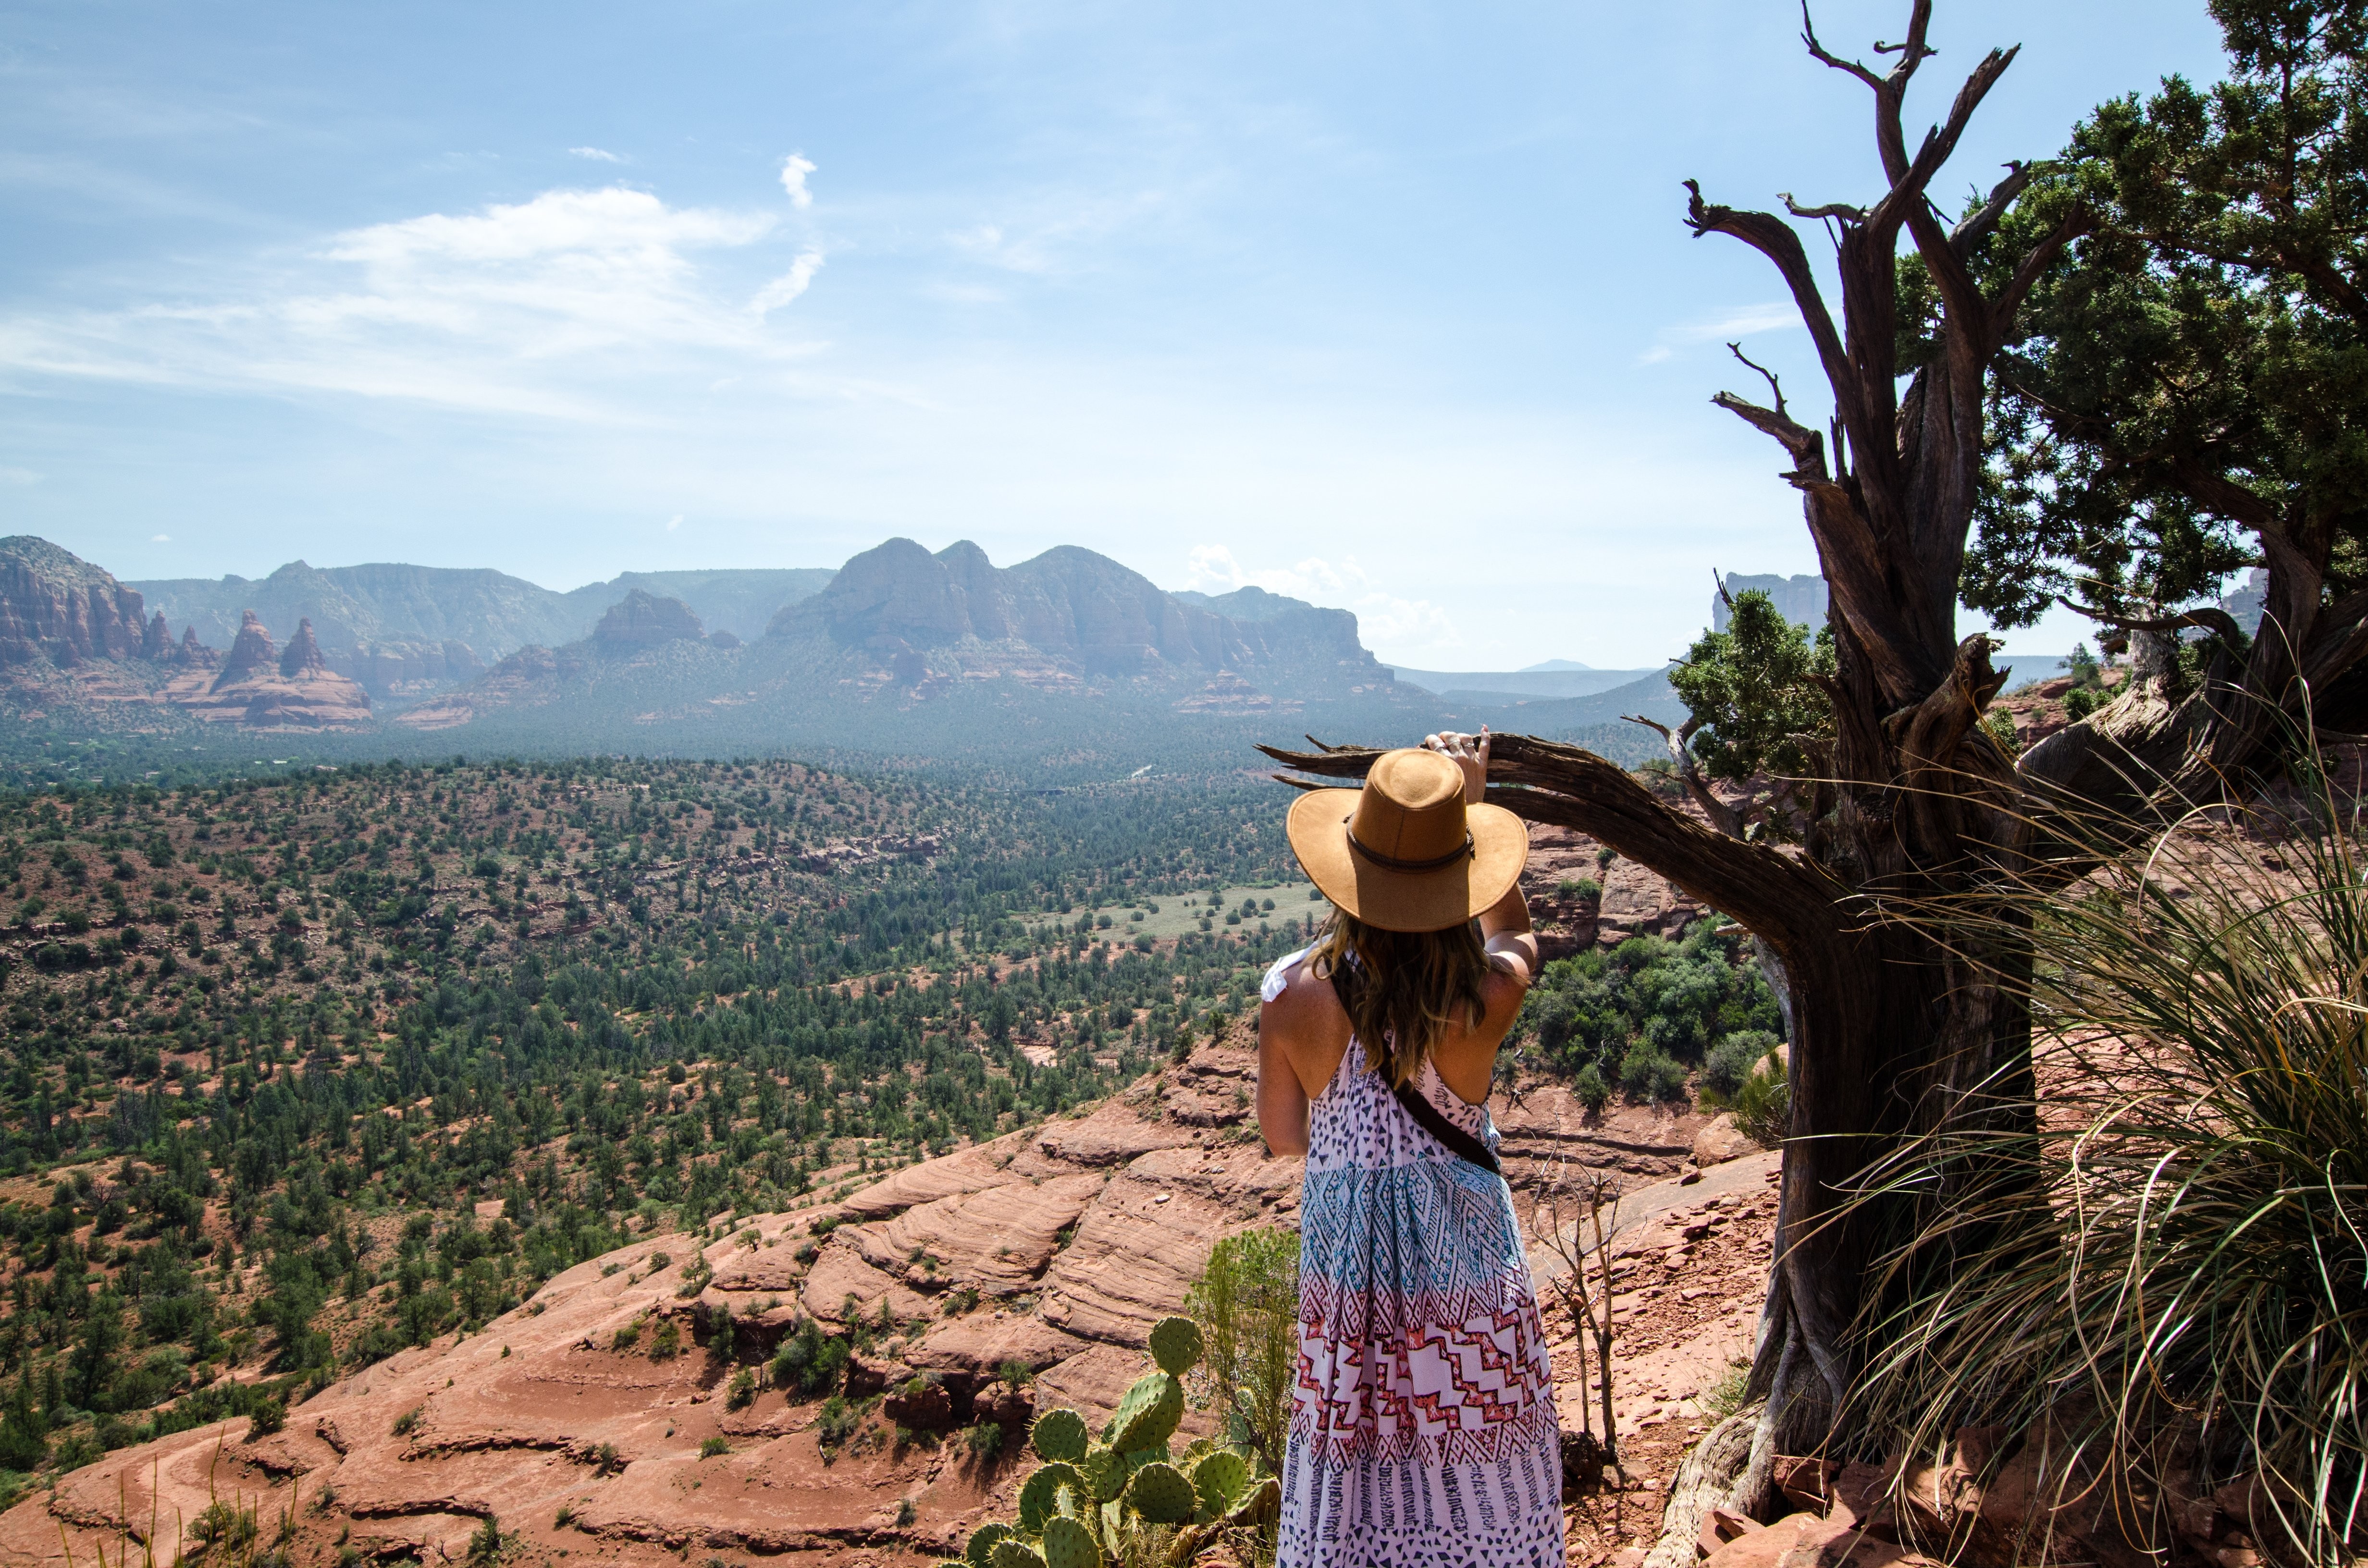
(1892, 1035)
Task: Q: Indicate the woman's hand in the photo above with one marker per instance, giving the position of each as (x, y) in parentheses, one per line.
(1469, 753)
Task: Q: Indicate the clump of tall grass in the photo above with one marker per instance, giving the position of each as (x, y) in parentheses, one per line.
(2170, 1257)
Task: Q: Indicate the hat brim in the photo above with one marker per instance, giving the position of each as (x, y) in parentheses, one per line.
(1406, 901)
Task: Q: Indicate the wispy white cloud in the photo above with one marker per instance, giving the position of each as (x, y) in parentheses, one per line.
(160, 539)
(1058, 235)
(1730, 325)
(598, 154)
(788, 284)
(794, 169)
(673, 522)
(1382, 616)
(507, 308)
(19, 476)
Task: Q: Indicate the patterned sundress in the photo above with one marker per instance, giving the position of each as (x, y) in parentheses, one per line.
(1423, 1430)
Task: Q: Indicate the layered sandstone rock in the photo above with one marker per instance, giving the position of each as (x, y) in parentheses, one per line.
(59, 608)
(259, 688)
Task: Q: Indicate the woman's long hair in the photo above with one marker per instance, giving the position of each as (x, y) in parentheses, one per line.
(1402, 989)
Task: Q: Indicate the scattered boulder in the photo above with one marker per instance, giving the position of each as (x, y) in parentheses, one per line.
(1722, 1141)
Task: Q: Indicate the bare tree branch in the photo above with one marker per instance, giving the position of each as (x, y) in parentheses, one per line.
(1806, 447)
(1775, 387)
(1784, 901)
(1906, 194)
(1776, 239)
(2206, 618)
(1817, 52)
(1724, 817)
(1978, 225)
(1844, 210)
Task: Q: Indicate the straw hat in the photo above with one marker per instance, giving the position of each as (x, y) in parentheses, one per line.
(1405, 853)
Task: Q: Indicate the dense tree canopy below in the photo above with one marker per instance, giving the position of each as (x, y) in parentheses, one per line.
(270, 1045)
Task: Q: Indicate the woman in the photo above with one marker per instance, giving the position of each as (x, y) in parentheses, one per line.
(1423, 1429)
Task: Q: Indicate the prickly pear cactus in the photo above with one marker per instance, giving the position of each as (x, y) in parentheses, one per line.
(981, 1549)
(1161, 1495)
(1175, 1344)
(1060, 1434)
(1015, 1554)
(1037, 1500)
(1146, 1417)
(1105, 1470)
(1068, 1544)
(1219, 1478)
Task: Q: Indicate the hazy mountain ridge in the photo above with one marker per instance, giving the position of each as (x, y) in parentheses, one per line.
(1068, 665)
(403, 631)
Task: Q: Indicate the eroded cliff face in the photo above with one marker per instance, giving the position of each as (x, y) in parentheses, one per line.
(1055, 1247)
(258, 688)
(59, 608)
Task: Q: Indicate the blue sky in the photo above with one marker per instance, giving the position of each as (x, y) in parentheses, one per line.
(1388, 304)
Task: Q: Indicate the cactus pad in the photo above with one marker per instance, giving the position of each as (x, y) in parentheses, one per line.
(1175, 1344)
(1161, 1495)
(982, 1544)
(1105, 1470)
(1219, 1478)
(1036, 1497)
(1060, 1434)
(1014, 1554)
(1068, 1544)
(1146, 1417)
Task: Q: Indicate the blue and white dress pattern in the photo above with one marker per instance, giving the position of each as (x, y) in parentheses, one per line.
(1423, 1430)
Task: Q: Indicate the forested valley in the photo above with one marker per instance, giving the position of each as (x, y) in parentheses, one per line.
(303, 1071)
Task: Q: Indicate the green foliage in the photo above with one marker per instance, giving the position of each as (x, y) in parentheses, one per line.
(808, 1360)
(1649, 1001)
(1649, 1073)
(1731, 1060)
(1763, 1109)
(2172, 1267)
(836, 1421)
(1247, 1301)
(1754, 689)
(1134, 1508)
(710, 1448)
(2190, 375)
(1589, 1084)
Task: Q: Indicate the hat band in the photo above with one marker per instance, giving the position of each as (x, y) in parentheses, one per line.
(1391, 863)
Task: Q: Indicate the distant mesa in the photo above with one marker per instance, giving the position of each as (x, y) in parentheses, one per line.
(1800, 599)
(1069, 605)
(641, 620)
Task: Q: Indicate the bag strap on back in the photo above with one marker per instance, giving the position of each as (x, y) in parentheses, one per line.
(1427, 1116)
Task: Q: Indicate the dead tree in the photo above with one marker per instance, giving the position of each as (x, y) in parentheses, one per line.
(1892, 1033)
